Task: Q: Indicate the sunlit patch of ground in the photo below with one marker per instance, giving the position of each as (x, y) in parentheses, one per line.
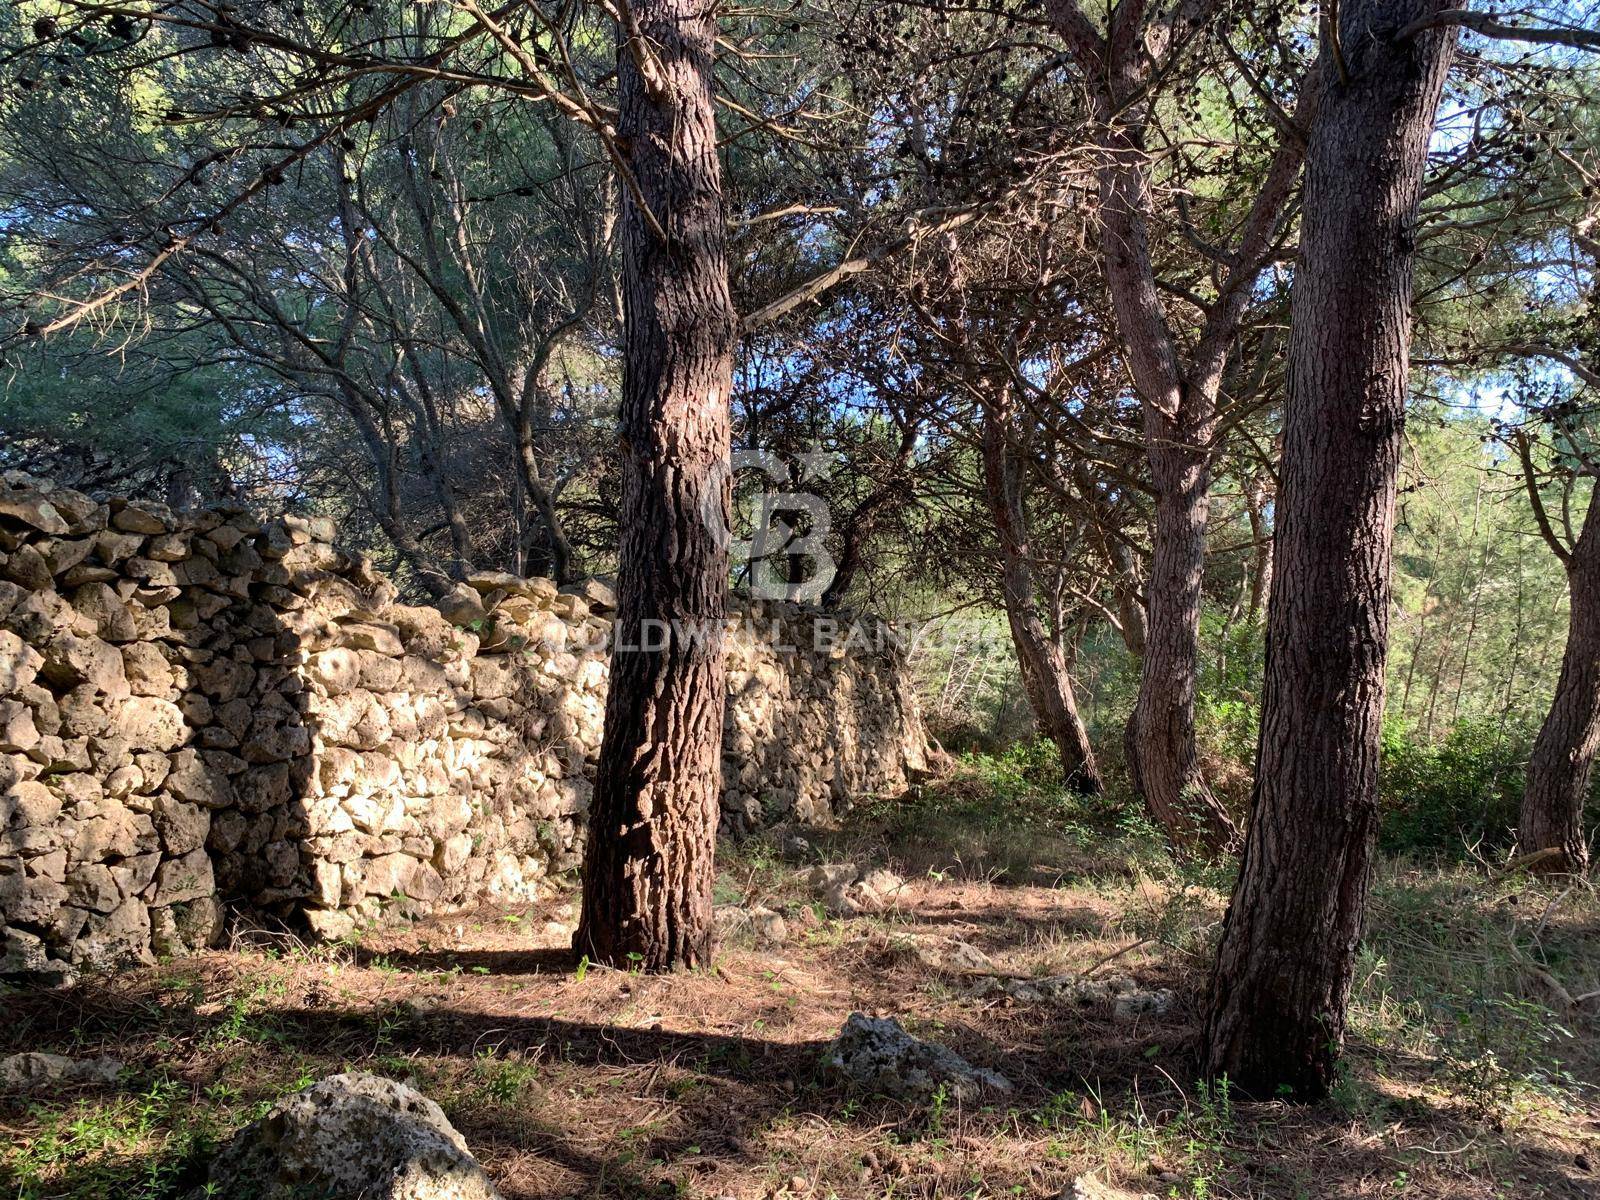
(1469, 1076)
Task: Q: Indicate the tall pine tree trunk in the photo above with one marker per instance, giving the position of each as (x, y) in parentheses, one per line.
(1039, 659)
(1563, 754)
(652, 826)
(1276, 1014)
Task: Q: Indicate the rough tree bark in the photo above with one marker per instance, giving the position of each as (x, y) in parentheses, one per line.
(652, 826)
(1039, 659)
(1163, 757)
(1276, 1014)
(1564, 753)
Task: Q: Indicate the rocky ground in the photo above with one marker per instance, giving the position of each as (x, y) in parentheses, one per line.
(1046, 966)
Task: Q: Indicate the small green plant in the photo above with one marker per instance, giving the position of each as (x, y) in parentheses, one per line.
(503, 1080)
(937, 1103)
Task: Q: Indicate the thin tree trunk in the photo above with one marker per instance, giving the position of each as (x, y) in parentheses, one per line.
(387, 510)
(1276, 1015)
(1177, 385)
(1256, 501)
(1564, 752)
(1163, 758)
(1039, 658)
(1130, 605)
(648, 865)
(557, 548)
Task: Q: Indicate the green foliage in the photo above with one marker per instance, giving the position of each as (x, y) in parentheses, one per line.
(1447, 797)
(148, 1146)
(504, 1079)
(1457, 797)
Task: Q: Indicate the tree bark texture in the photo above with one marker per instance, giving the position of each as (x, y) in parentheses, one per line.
(1564, 752)
(1039, 659)
(1163, 757)
(648, 862)
(1276, 1014)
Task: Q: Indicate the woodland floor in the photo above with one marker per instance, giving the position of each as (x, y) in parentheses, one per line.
(1468, 1075)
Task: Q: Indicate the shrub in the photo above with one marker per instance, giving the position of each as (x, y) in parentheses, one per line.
(1439, 799)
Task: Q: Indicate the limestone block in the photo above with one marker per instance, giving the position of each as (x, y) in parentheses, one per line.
(73, 659)
(91, 886)
(335, 671)
(115, 938)
(149, 723)
(183, 826)
(115, 831)
(381, 637)
(19, 662)
(136, 519)
(199, 781)
(134, 875)
(181, 928)
(264, 787)
(26, 567)
(32, 509)
(18, 733)
(379, 672)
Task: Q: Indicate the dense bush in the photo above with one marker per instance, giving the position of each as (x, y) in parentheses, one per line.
(1442, 798)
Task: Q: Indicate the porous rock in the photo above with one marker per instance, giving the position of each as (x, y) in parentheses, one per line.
(876, 1054)
(35, 1069)
(351, 1137)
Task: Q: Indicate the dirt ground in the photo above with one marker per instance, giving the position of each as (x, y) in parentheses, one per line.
(1468, 1074)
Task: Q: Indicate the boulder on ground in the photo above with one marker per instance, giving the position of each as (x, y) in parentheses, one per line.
(876, 1054)
(952, 955)
(351, 1137)
(19, 1072)
(756, 924)
(846, 889)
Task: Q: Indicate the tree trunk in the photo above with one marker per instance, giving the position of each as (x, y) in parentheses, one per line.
(1178, 387)
(1563, 755)
(1256, 500)
(1276, 1015)
(1039, 658)
(1130, 605)
(1163, 760)
(648, 863)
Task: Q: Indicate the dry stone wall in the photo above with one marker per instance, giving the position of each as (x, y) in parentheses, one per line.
(204, 715)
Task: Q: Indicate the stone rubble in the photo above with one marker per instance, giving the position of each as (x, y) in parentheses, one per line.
(203, 714)
(846, 888)
(1087, 1187)
(757, 924)
(875, 1054)
(1126, 999)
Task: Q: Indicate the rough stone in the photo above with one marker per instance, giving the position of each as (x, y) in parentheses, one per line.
(19, 662)
(877, 1055)
(33, 509)
(186, 878)
(1087, 1187)
(36, 1069)
(352, 1137)
(149, 723)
